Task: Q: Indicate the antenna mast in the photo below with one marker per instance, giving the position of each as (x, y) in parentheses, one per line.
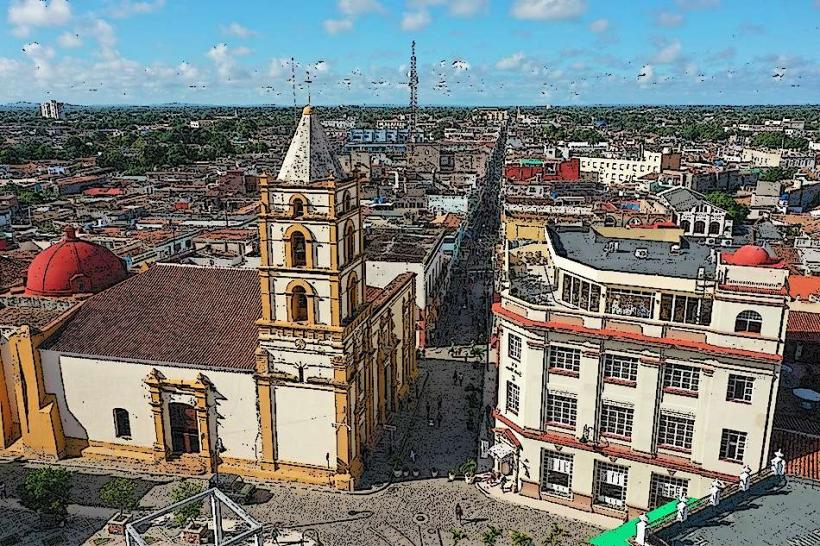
(293, 87)
(414, 92)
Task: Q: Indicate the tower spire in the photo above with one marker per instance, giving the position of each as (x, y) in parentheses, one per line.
(414, 90)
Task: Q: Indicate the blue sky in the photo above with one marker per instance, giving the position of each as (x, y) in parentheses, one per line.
(471, 52)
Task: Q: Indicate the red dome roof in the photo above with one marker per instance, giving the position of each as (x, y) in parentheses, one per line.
(73, 266)
(750, 255)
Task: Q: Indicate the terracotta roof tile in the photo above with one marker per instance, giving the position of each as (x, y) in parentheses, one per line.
(801, 322)
(175, 314)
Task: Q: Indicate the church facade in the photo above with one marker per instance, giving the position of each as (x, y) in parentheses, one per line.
(289, 372)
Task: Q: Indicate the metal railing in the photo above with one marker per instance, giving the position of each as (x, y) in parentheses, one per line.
(215, 496)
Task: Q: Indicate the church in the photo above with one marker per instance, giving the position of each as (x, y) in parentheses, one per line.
(289, 372)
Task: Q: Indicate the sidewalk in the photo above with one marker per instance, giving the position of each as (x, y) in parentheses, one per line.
(598, 520)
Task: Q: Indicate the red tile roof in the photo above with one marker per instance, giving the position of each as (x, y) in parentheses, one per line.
(803, 325)
(186, 315)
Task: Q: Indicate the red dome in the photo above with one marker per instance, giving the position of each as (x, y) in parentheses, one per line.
(751, 255)
(73, 266)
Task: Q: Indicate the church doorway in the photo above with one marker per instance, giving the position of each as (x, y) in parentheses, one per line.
(184, 430)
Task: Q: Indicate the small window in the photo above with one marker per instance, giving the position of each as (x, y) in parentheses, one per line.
(514, 347)
(621, 368)
(675, 431)
(740, 388)
(564, 358)
(677, 376)
(562, 410)
(617, 420)
(122, 423)
(732, 445)
(556, 470)
(700, 227)
(513, 392)
(749, 321)
(610, 484)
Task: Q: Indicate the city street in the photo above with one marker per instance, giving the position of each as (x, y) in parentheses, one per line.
(466, 309)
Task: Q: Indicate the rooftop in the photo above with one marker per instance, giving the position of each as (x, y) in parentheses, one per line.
(768, 516)
(401, 245)
(199, 316)
(310, 157)
(592, 248)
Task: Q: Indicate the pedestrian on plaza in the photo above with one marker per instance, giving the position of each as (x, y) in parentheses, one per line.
(455, 377)
(439, 404)
(3, 492)
(461, 375)
(459, 513)
(413, 455)
(778, 466)
(428, 410)
(438, 420)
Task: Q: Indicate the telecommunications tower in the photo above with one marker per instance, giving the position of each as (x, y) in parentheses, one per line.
(413, 83)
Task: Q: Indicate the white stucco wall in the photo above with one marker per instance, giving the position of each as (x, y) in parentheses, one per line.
(88, 390)
(305, 416)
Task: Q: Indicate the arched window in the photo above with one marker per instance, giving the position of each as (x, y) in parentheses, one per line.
(700, 226)
(352, 295)
(684, 225)
(298, 208)
(714, 228)
(350, 245)
(346, 202)
(299, 304)
(122, 423)
(748, 321)
(298, 250)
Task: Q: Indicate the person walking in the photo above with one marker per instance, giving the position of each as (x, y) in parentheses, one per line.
(428, 410)
(438, 420)
(459, 513)
(455, 377)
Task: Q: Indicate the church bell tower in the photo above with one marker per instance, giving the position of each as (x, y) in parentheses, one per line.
(312, 334)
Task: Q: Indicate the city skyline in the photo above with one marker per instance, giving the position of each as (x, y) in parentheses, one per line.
(470, 52)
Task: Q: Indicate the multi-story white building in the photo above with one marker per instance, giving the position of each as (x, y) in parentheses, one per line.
(613, 170)
(52, 110)
(635, 365)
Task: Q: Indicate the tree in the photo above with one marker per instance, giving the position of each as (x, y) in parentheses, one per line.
(491, 536)
(735, 210)
(521, 539)
(46, 491)
(182, 491)
(458, 535)
(556, 534)
(778, 173)
(120, 494)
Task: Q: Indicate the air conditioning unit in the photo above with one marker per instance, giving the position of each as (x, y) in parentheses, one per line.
(674, 249)
(710, 240)
(641, 253)
(726, 242)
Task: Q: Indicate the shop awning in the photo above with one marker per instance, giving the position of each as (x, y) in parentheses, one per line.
(501, 451)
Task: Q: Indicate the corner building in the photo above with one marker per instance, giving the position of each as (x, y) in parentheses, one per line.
(635, 365)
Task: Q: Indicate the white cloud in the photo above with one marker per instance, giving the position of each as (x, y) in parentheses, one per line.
(359, 7)
(599, 25)
(511, 62)
(106, 38)
(23, 15)
(238, 30)
(127, 8)
(279, 67)
(69, 40)
(334, 26)
(415, 20)
(668, 53)
(669, 19)
(545, 10)
(40, 56)
(224, 59)
(457, 8)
